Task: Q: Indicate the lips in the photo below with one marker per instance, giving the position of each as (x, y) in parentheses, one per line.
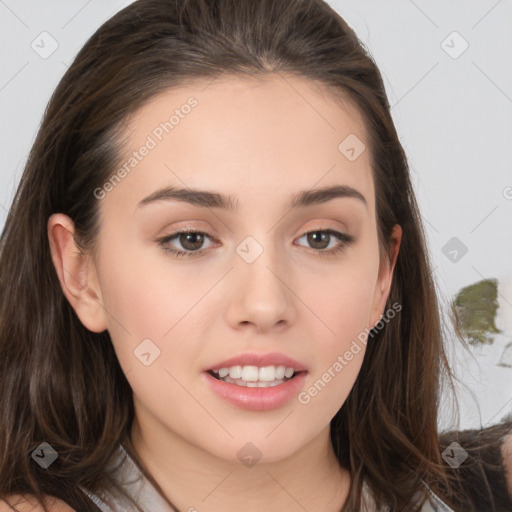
(260, 360)
(256, 382)
(256, 398)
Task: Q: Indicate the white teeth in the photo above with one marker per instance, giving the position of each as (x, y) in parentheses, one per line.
(240, 382)
(235, 372)
(253, 376)
(250, 373)
(267, 373)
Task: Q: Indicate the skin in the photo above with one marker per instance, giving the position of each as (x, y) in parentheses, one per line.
(260, 141)
(28, 503)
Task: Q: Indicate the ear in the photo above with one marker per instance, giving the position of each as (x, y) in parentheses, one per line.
(385, 277)
(76, 272)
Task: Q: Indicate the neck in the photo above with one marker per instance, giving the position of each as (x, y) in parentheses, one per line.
(194, 480)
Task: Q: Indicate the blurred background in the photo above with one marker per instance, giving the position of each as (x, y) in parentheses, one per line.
(447, 68)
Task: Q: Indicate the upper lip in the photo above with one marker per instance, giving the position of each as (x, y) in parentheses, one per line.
(255, 359)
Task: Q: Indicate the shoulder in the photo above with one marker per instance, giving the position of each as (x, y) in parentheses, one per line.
(28, 503)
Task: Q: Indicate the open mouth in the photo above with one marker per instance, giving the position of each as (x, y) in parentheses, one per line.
(254, 376)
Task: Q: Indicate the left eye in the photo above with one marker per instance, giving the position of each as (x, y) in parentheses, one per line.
(320, 236)
(192, 241)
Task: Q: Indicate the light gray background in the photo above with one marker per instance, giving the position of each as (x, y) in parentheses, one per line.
(453, 115)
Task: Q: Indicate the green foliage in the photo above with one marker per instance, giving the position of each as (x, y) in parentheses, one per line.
(475, 308)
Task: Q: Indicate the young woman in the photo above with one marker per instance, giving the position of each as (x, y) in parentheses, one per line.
(215, 279)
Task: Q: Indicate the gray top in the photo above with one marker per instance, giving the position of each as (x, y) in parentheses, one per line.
(148, 498)
(435, 504)
(137, 486)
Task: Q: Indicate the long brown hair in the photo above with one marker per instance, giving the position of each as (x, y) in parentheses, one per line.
(62, 384)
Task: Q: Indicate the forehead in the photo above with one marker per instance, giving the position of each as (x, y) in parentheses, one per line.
(278, 132)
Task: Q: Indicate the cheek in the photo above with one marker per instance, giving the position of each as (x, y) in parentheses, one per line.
(340, 350)
(343, 298)
(153, 298)
(344, 305)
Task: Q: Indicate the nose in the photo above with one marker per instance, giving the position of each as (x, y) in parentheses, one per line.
(263, 294)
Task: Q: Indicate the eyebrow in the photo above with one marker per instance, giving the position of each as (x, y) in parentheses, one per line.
(207, 199)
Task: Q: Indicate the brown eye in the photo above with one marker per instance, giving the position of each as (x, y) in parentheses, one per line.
(320, 239)
(191, 241)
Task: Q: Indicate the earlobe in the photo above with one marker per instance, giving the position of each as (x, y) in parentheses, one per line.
(385, 277)
(76, 272)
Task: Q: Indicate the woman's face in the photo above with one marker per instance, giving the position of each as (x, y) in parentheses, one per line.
(255, 290)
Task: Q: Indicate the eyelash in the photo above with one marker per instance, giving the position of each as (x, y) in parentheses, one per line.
(342, 237)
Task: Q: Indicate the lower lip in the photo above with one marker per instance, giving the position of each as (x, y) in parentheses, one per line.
(257, 399)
